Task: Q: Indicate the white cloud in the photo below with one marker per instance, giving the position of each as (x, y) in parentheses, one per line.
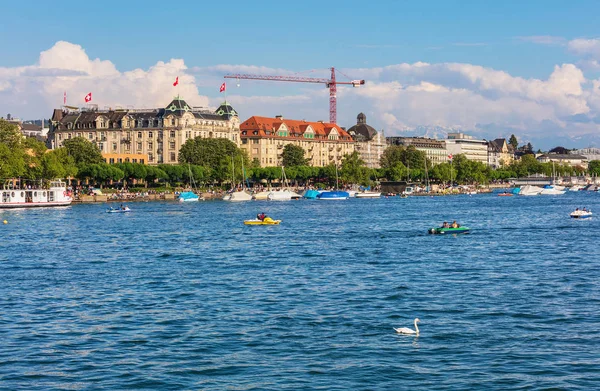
(589, 48)
(544, 39)
(34, 90)
(398, 98)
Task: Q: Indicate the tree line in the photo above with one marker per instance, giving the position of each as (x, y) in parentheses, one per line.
(219, 162)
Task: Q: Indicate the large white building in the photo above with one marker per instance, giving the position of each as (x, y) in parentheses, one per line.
(435, 150)
(473, 149)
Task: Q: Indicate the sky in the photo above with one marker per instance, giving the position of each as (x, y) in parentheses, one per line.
(488, 68)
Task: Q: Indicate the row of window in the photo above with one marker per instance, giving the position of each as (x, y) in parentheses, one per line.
(149, 123)
(139, 146)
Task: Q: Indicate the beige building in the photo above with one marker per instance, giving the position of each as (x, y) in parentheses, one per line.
(370, 144)
(473, 149)
(264, 138)
(148, 136)
(500, 154)
(435, 150)
(570, 159)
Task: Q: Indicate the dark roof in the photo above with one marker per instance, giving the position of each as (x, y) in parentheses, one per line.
(178, 107)
(497, 144)
(226, 111)
(31, 127)
(563, 156)
(361, 131)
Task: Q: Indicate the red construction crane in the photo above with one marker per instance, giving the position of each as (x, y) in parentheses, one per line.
(331, 83)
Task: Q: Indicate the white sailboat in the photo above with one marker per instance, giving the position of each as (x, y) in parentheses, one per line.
(283, 194)
(239, 195)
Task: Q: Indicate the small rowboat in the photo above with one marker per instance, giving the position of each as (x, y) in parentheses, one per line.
(443, 231)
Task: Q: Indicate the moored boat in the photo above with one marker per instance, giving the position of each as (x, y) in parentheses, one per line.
(55, 195)
(311, 194)
(368, 194)
(333, 195)
(188, 196)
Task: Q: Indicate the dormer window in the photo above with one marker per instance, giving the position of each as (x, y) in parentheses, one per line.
(255, 132)
(244, 132)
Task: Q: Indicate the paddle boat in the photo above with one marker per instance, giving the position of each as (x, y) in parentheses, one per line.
(124, 209)
(581, 214)
(442, 231)
(265, 221)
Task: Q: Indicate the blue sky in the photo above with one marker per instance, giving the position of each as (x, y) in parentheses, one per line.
(301, 35)
(524, 39)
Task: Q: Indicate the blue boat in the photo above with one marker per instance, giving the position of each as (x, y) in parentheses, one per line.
(188, 196)
(311, 194)
(333, 195)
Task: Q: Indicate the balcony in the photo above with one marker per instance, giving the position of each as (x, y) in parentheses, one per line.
(280, 146)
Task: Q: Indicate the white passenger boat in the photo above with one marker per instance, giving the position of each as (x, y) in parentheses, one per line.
(55, 195)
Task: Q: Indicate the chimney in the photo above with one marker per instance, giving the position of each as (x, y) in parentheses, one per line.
(279, 116)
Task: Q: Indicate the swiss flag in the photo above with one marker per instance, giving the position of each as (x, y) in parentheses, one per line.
(88, 97)
(450, 156)
(176, 81)
(222, 87)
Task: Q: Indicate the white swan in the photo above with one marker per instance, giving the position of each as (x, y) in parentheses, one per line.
(406, 330)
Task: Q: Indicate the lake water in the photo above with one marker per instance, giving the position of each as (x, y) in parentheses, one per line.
(184, 296)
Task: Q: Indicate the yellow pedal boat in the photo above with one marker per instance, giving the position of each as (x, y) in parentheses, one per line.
(266, 221)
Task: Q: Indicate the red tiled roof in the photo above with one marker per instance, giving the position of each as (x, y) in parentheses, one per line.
(263, 124)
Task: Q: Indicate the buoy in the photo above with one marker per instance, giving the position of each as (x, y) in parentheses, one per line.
(5, 222)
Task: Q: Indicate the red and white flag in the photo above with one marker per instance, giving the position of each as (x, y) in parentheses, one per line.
(65, 98)
(222, 87)
(88, 97)
(176, 81)
(450, 156)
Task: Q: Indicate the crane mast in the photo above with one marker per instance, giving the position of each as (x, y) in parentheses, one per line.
(331, 83)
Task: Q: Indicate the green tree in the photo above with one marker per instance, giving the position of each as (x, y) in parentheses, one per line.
(513, 141)
(594, 167)
(354, 169)
(391, 156)
(10, 134)
(220, 156)
(83, 151)
(293, 155)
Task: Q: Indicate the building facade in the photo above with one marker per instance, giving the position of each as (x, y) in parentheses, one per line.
(589, 153)
(500, 154)
(473, 149)
(569, 159)
(143, 136)
(264, 138)
(435, 150)
(370, 143)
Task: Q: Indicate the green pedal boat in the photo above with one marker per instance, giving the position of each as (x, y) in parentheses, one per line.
(440, 230)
